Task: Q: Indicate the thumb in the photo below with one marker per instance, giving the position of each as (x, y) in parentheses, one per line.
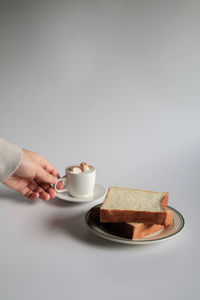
(44, 176)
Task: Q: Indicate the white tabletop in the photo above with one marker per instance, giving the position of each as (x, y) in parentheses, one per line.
(115, 84)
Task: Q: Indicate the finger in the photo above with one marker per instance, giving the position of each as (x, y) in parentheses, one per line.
(48, 188)
(49, 168)
(54, 172)
(33, 191)
(44, 176)
(45, 193)
(44, 196)
(59, 185)
(27, 192)
(33, 196)
(34, 186)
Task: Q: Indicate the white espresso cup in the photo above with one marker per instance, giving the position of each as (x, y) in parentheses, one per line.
(79, 185)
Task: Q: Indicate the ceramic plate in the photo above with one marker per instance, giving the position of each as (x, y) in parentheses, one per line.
(99, 191)
(159, 236)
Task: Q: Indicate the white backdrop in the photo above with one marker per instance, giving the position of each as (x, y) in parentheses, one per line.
(116, 84)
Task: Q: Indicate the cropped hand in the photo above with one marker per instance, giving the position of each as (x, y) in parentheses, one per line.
(33, 177)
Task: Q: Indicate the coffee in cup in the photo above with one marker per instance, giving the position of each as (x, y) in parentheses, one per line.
(79, 180)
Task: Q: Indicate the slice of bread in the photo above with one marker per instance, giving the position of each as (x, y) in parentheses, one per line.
(137, 230)
(134, 230)
(133, 205)
(124, 229)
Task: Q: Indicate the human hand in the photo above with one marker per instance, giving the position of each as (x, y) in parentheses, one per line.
(33, 177)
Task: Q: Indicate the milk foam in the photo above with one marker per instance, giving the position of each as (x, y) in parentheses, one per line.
(82, 168)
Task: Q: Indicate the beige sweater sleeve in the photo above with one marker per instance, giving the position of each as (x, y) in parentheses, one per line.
(10, 158)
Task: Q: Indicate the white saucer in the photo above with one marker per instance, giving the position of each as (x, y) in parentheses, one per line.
(99, 191)
(159, 236)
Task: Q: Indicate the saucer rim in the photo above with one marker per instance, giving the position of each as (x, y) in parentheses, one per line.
(82, 200)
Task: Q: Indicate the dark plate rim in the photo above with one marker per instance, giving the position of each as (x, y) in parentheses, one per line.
(115, 238)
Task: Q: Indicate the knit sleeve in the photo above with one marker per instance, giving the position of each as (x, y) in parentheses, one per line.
(10, 159)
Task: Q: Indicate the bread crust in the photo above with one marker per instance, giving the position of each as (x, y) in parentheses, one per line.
(127, 230)
(169, 218)
(148, 217)
(164, 200)
(147, 229)
(135, 231)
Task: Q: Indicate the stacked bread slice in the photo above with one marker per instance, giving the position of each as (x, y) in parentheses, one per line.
(134, 212)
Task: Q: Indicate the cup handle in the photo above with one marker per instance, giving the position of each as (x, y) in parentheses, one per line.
(64, 181)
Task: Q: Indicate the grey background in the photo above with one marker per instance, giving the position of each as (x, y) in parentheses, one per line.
(116, 84)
